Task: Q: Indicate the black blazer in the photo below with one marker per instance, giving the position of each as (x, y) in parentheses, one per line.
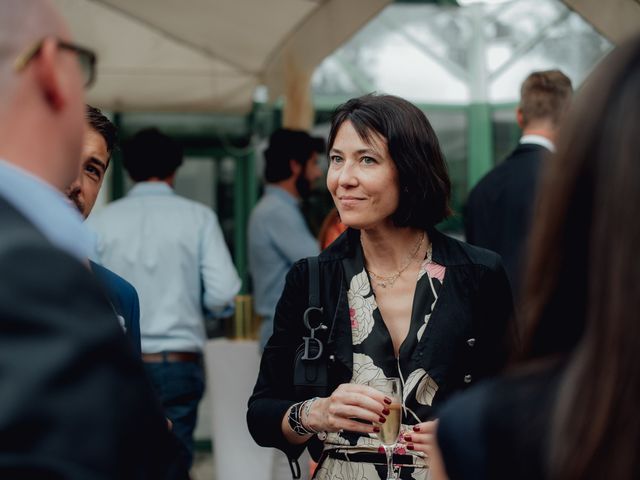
(125, 302)
(74, 399)
(466, 339)
(499, 208)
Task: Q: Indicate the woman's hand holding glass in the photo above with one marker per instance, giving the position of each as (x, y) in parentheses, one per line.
(351, 407)
(422, 438)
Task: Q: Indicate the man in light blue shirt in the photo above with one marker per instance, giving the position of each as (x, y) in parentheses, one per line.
(173, 252)
(278, 233)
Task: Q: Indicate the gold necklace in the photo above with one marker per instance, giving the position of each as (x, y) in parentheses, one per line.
(388, 281)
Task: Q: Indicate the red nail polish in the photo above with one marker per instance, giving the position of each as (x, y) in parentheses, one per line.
(377, 430)
(407, 438)
(416, 428)
(382, 419)
(380, 449)
(387, 400)
(409, 447)
(386, 411)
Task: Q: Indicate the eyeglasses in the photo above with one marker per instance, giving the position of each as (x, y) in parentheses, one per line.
(86, 59)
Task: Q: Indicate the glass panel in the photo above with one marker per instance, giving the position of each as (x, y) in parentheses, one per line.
(396, 53)
(506, 133)
(427, 53)
(451, 129)
(539, 35)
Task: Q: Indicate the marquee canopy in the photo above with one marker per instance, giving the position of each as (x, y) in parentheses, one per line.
(614, 19)
(207, 55)
(210, 55)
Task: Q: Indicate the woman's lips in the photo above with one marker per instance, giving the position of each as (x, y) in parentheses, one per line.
(350, 201)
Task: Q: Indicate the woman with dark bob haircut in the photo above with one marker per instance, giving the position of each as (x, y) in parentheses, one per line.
(569, 408)
(396, 299)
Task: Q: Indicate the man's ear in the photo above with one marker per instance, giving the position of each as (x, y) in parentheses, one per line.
(48, 75)
(520, 118)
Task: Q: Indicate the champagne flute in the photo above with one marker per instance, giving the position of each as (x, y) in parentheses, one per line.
(390, 430)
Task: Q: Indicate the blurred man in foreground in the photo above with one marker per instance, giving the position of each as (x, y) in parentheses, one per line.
(74, 402)
(99, 142)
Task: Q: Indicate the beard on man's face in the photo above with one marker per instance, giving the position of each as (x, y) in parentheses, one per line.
(303, 186)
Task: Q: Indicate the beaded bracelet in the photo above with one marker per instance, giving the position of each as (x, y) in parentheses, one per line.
(307, 408)
(295, 417)
(322, 436)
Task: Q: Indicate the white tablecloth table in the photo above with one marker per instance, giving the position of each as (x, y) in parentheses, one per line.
(232, 369)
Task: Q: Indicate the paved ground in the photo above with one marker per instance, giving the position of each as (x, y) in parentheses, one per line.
(203, 466)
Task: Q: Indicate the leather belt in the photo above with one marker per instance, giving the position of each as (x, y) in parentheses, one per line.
(373, 458)
(172, 357)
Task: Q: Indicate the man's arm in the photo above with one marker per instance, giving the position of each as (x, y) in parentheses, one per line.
(219, 276)
(74, 401)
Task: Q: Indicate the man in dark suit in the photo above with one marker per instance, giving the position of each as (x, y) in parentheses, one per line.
(499, 208)
(74, 400)
(99, 142)
(124, 300)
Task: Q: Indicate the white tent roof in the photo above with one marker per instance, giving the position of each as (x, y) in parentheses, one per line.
(206, 55)
(615, 19)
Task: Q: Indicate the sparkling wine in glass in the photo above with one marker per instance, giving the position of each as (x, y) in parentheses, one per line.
(390, 430)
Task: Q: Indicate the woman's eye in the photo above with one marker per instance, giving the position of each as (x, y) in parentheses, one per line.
(335, 159)
(368, 160)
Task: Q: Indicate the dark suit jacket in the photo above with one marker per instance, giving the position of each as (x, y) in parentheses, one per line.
(474, 303)
(501, 429)
(499, 209)
(74, 400)
(124, 299)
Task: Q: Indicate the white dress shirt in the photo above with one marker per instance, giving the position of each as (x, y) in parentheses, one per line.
(47, 209)
(173, 252)
(539, 140)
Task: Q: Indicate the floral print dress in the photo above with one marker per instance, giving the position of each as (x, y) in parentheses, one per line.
(354, 456)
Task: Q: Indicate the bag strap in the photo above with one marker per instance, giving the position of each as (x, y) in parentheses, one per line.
(313, 315)
(314, 282)
(314, 302)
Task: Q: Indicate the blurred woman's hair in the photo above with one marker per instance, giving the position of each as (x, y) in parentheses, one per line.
(582, 288)
(424, 185)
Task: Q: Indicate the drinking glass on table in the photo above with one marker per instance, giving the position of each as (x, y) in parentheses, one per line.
(390, 430)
